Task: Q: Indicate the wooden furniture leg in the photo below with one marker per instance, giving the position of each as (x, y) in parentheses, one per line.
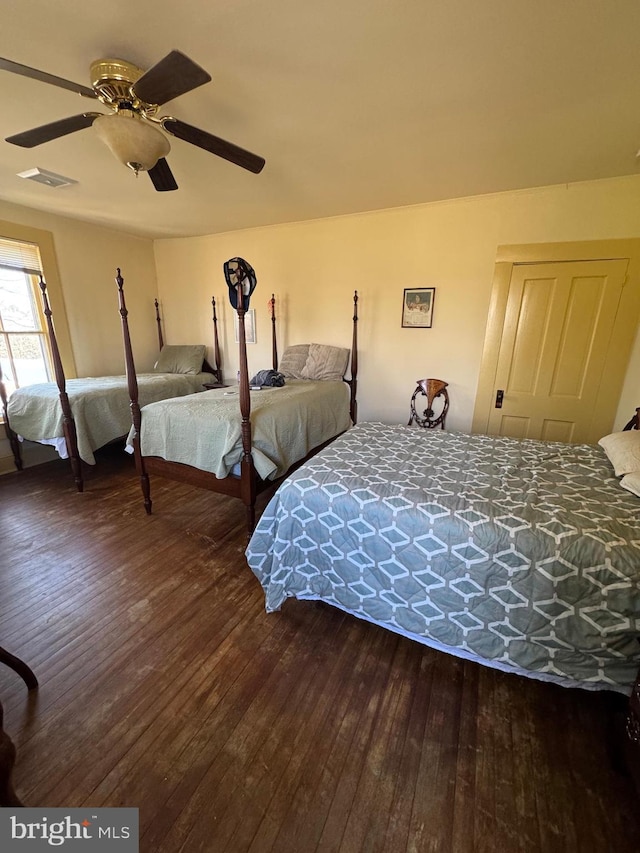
(19, 666)
(8, 796)
(12, 438)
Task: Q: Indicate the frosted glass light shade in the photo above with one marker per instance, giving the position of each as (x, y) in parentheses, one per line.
(136, 143)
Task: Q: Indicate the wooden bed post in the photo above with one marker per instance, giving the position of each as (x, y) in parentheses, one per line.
(217, 370)
(68, 423)
(12, 437)
(274, 342)
(132, 383)
(247, 470)
(353, 404)
(158, 321)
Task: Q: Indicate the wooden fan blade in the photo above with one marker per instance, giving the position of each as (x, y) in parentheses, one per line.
(173, 76)
(47, 132)
(214, 144)
(26, 71)
(162, 177)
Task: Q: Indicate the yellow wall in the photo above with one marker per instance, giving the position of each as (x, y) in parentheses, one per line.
(87, 257)
(313, 268)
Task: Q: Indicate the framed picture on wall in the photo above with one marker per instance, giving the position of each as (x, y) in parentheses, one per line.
(417, 307)
(249, 326)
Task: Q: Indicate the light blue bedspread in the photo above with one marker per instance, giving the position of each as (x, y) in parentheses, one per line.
(522, 555)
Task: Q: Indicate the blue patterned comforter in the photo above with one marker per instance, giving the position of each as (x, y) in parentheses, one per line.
(522, 555)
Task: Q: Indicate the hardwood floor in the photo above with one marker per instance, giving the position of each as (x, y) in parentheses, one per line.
(165, 686)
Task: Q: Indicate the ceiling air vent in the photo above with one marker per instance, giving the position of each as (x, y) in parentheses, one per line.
(41, 176)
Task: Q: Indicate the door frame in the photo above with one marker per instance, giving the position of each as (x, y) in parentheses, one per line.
(507, 257)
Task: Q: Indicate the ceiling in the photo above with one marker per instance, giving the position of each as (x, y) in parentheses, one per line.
(356, 105)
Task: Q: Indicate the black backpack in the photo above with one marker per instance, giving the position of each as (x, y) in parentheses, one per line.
(268, 378)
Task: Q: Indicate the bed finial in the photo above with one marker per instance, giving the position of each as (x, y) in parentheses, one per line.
(159, 325)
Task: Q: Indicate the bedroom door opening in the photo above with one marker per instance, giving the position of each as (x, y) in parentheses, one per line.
(558, 342)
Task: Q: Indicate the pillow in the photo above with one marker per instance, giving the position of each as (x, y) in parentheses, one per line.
(325, 362)
(623, 450)
(293, 361)
(631, 482)
(180, 359)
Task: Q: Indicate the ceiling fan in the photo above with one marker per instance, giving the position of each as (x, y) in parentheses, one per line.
(132, 130)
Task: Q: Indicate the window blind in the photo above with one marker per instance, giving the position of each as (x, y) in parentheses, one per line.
(16, 255)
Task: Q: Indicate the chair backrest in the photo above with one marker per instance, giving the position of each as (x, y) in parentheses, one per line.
(431, 389)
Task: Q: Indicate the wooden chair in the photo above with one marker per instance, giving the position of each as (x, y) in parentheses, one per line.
(431, 389)
(8, 796)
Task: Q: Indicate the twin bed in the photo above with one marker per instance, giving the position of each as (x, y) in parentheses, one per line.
(238, 441)
(78, 416)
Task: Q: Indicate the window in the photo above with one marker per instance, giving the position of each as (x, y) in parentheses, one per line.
(24, 353)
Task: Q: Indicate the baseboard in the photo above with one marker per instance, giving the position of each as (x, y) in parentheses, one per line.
(7, 465)
(32, 454)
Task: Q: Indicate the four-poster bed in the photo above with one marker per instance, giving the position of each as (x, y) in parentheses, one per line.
(212, 443)
(77, 416)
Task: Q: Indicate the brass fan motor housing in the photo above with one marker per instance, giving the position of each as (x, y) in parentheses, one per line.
(133, 127)
(112, 81)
